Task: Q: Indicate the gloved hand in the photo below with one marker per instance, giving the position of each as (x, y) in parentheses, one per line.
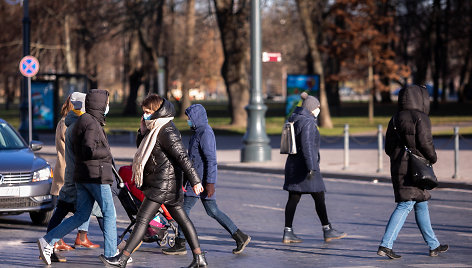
(210, 189)
(310, 175)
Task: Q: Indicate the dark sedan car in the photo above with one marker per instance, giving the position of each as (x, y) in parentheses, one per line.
(25, 179)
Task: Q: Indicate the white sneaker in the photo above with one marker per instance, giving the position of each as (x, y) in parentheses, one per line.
(45, 250)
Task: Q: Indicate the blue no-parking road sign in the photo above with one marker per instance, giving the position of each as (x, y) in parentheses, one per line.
(29, 66)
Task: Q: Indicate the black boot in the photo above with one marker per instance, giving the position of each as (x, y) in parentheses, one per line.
(383, 251)
(242, 240)
(177, 249)
(432, 253)
(198, 261)
(119, 260)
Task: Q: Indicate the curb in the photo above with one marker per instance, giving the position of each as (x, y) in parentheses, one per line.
(341, 176)
(334, 175)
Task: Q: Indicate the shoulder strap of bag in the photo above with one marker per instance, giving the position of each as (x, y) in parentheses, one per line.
(398, 135)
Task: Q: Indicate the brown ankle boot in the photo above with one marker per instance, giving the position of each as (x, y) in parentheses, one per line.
(82, 241)
(61, 245)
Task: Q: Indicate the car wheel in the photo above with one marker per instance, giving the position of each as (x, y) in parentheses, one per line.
(41, 217)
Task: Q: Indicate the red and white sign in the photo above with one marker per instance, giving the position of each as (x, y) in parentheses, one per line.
(29, 66)
(271, 57)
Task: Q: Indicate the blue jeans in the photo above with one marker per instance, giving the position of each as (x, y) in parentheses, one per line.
(212, 210)
(87, 194)
(61, 211)
(398, 218)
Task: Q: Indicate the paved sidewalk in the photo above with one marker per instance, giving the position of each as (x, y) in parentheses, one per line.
(363, 155)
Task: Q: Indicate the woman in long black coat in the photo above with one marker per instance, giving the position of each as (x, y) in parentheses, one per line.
(409, 127)
(302, 170)
(160, 154)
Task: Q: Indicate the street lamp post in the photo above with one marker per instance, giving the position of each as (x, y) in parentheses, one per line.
(24, 118)
(256, 143)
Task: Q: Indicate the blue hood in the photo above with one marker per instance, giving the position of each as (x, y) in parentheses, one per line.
(197, 114)
(20, 160)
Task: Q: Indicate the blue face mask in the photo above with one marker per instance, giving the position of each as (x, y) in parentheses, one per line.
(107, 110)
(147, 116)
(189, 122)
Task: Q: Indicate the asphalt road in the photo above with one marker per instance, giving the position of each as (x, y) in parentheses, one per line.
(256, 203)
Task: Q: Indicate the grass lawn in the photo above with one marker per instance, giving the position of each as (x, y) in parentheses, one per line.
(355, 114)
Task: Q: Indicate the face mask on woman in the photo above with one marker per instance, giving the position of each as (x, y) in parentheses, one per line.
(189, 122)
(316, 112)
(147, 116)
(107, 109)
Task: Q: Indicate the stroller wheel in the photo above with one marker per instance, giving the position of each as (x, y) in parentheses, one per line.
(162, 242)
(171, 241)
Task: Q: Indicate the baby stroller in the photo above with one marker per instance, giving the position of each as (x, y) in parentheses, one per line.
(131, 197)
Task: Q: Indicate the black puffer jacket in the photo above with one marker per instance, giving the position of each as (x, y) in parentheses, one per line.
(90, 145)
(414, 131)
(168, 157)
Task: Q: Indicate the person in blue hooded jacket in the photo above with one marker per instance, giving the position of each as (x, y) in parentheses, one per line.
(302, 170)
(202, 151)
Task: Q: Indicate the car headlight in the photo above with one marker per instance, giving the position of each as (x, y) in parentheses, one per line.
(42, 174)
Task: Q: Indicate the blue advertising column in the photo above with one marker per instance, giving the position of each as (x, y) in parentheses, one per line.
(256, 143)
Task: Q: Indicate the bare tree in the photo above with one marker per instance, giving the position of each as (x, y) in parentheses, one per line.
(311, 15)
(233, 22)
(189, 55)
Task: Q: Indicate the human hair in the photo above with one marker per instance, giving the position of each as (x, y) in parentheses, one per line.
(152, 101)
(66, 107)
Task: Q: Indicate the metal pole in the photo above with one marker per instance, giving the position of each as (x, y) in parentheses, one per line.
(30, 115)
(380, 151)
(255, 142)
(456, 153)
(24, 81)
(346, 146)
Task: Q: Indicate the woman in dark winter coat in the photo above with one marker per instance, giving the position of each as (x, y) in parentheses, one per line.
(93, 175)
(302, 170)
(409, 127)
(202, 152)
(160, 154)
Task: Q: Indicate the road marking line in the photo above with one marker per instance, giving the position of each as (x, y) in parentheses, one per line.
(446, 206)
(265, 207)
(261, 186)
(456, 265)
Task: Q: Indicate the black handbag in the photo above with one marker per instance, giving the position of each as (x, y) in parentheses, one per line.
(287, 140)
(420, 169)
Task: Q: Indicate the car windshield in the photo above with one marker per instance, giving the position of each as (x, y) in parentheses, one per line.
(9, 139)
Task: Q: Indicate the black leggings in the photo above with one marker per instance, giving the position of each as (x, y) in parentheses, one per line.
(294, 198)
(147, 212)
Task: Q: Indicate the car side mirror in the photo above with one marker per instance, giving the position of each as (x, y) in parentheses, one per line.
(36, 145)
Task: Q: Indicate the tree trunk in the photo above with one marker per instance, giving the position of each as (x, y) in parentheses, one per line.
(371, 85)
(444, 52)
(437, 52)
(135, 67)
(70, 64)
(135, 81)
(233, 22)
(311, 31)
(189, 48)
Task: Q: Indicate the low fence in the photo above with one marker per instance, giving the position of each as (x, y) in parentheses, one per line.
(379, 139)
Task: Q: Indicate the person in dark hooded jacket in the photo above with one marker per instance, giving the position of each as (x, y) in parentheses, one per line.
(66, 202)
(302, 170)
(160, 155)
(93, 176)
(202, 152)
(409, 127)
